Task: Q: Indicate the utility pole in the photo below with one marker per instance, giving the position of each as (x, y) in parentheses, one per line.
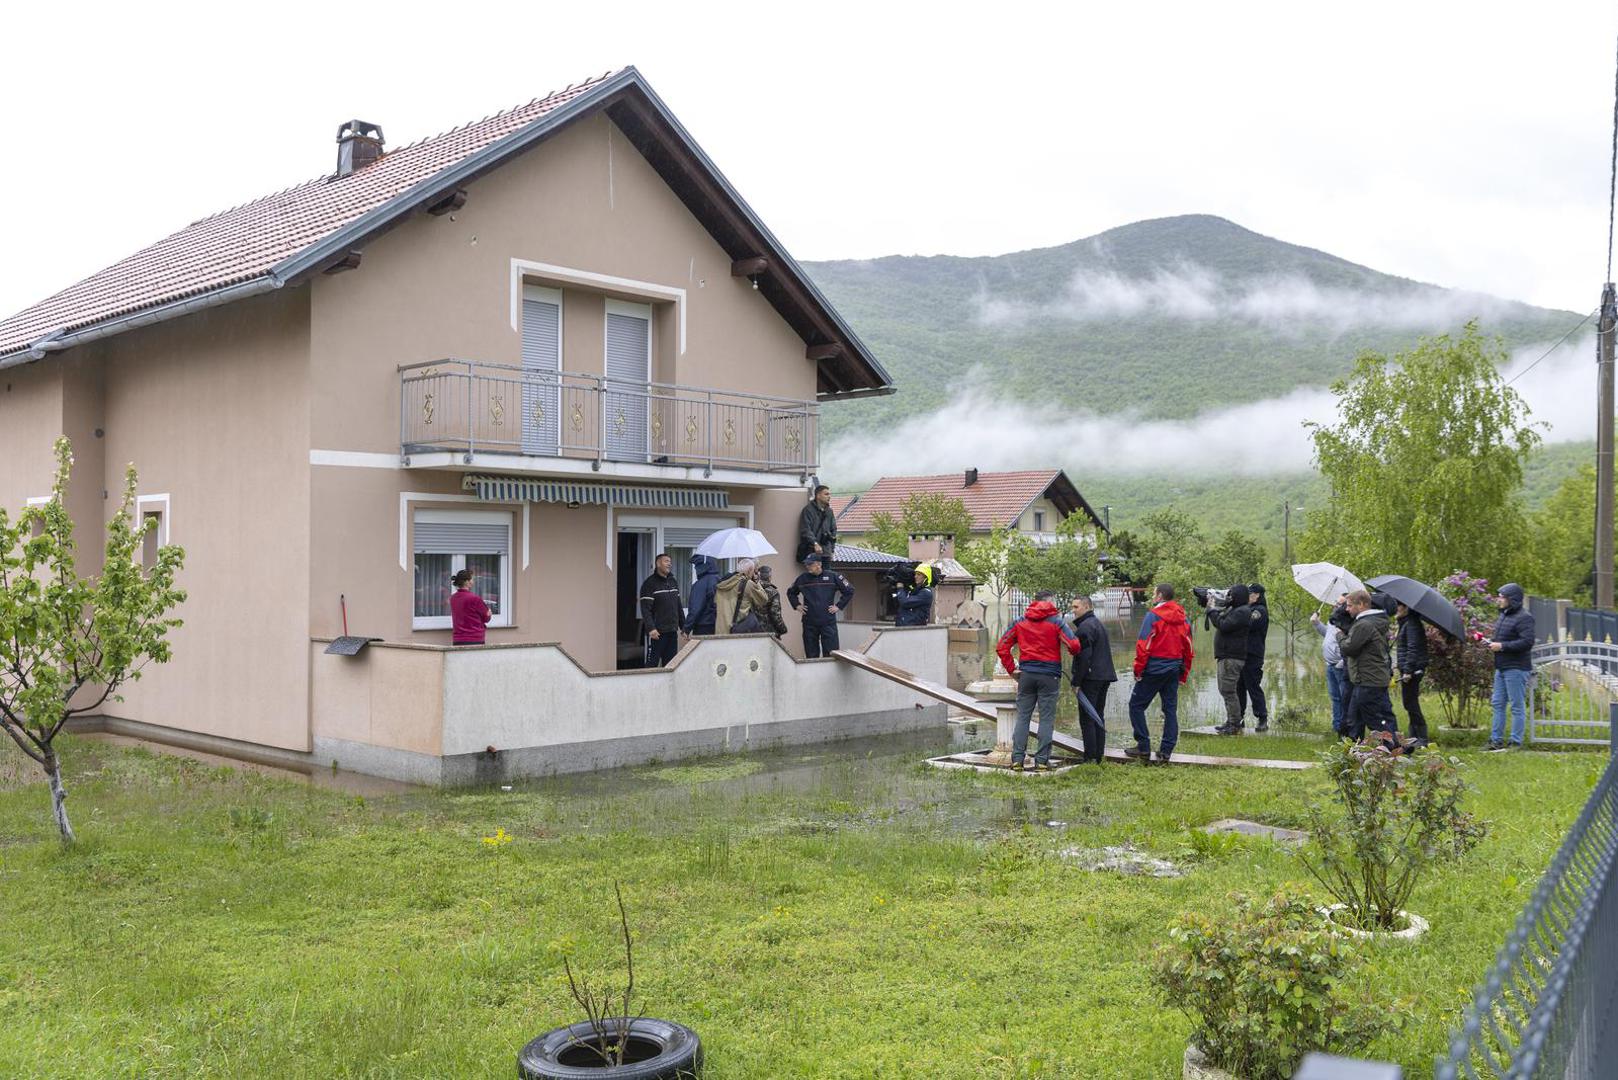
(1106, 514)
(1604, 425)
(1286, 531)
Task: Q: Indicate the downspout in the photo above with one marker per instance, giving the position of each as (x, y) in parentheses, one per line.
(58, 340)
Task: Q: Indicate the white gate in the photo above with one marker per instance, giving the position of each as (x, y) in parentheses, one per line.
(1572, 693)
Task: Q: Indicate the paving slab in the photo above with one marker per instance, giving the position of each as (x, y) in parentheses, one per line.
(1255, 828)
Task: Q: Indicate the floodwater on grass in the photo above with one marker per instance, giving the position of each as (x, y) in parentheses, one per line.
(825, 787)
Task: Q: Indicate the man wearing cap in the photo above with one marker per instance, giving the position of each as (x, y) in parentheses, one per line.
(822, 594)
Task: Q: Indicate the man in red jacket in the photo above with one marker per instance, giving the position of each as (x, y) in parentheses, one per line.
(1163, 657)
(1038, 638)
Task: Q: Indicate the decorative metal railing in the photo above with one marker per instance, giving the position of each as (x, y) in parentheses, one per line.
(1549, 1006)
(1571, 695)
(470, 407)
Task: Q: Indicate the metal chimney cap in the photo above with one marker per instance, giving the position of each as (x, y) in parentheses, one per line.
(363, 129)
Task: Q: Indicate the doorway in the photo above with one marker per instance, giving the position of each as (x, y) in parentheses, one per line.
(634, 565)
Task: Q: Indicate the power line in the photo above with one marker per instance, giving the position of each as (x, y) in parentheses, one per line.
(1558, 344)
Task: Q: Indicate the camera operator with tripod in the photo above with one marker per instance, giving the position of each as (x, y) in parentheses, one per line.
(1232, 619)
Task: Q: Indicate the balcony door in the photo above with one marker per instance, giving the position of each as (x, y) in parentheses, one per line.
(629, 370)
(541, 370)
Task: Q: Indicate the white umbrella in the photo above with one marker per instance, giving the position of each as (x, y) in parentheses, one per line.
(1325, 581)
(735, 544)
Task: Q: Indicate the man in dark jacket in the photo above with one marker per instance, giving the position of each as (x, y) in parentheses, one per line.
(660, 612)
(1231, 624)
(1092, 674)
(1365, 647)
(1038, 637)
(817, 528)
(1512, 645)
(1163, 656)
(702, 613)
(1411, 662)
(822, 593)
(915, 603)
(1251, 687)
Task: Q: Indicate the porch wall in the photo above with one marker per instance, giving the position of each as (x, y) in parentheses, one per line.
(545, 714)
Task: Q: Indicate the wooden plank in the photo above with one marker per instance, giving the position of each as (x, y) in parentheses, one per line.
(1177, 758)
(926, 687)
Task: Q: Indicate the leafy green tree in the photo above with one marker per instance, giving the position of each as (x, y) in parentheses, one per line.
(990, 559)
(929, 512)
(1235, 558)
(1425, 463)
(1067, 567)
(68, 642)
(1169, 546)
(1561, 560)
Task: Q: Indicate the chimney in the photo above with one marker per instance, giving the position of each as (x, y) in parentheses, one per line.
(358, 144)
(926, 547)
(971, 477)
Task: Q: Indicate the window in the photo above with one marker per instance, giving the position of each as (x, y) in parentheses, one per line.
(1039, 521)
(39, 523)
(679, 537)
(449, 541)
(628, 370)
(152, 514)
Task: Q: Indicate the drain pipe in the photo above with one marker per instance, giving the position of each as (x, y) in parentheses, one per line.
(59, 340)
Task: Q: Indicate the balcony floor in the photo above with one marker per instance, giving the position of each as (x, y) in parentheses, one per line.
(586, 468)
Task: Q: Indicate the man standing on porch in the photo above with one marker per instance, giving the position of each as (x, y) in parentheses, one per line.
(660, 612)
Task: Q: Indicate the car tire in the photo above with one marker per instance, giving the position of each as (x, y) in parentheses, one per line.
(675, 1053)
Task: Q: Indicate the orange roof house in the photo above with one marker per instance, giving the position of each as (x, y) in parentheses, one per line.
(1010, 499)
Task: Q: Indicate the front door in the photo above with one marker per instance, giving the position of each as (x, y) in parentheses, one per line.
(629, 370)
(634, 565)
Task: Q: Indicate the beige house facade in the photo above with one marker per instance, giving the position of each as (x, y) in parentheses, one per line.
(545, 351)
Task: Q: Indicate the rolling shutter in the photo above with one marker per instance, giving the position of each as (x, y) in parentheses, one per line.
(541, 365)
(629, 341)
(462, 538)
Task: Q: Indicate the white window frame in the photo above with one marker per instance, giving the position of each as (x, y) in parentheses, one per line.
(153, 504)
(504, 616)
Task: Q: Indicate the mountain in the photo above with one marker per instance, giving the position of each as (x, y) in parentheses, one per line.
(1166, 318)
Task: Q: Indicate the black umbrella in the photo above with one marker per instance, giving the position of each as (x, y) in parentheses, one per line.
(1424, 600)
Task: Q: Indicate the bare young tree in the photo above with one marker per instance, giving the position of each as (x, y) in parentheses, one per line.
(67, 641)
(607, 1010)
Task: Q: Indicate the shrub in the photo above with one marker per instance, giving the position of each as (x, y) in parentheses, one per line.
(1399, 815)
(1264, 985)
(1462, 672)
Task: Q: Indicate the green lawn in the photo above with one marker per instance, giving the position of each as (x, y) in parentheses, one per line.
(827, 912)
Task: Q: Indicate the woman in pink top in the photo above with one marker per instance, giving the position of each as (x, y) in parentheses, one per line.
(468, 614)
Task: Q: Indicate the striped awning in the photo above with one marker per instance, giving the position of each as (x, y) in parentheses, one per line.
(528, 489)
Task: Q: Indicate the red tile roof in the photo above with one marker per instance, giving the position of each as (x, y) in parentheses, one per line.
(248, 240)
(839, 503)
(996, 498)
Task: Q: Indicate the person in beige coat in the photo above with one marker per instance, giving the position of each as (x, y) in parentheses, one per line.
(740, 603)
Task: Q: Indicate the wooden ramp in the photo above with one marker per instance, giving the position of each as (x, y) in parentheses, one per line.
(963, 702)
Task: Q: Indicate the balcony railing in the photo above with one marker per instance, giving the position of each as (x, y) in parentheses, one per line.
(470, 407)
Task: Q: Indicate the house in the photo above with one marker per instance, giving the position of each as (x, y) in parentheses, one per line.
(1033, 502)
(546, 346)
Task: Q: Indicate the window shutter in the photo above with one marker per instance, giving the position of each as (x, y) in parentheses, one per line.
(541, 362)
(462, 538)
(677, 536)
(629, 339)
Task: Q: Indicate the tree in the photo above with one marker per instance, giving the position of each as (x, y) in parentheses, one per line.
(1424, 463)
(1236, 558)
(68, 642)
(1067, 567)
(990, 558)
(1561, 560)
(1169, 547)
(929, 512)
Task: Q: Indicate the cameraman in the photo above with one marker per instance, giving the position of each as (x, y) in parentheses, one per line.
(1231, 623)
(1251, 688)
(915, 600)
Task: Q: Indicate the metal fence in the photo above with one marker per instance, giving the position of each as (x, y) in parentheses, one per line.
(1592, 624)
(1571, 695)
(467, 406)
(1549, 1006)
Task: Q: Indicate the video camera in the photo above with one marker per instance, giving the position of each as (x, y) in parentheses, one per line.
(1210, 597)
(901, 575)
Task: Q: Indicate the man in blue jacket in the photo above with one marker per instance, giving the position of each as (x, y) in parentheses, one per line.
(915, 603)
(822, 594)
(701, 614)
(1512, 645)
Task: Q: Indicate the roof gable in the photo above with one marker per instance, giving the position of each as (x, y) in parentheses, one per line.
(285, 238)
(993, 500)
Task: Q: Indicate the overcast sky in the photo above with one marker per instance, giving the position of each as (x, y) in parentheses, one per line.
(1462, 144)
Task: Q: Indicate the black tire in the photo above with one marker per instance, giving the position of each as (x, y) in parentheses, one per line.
(677, 1054)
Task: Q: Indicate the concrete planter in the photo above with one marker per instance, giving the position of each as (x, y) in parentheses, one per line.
(1415, 926)
(1196, 1066)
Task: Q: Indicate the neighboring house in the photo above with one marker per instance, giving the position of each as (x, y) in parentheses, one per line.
(545, 345)
(1033, 502)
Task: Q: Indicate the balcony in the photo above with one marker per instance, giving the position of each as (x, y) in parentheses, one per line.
(463, 411)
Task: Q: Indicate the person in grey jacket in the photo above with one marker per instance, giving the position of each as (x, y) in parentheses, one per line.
(1331, 653)
(1512, 645)
(1365, 647)
(817, 528)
